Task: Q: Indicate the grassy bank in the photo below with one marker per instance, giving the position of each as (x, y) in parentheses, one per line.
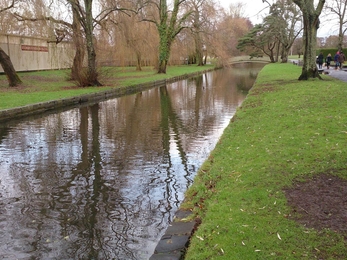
(43, 86)
(286, 131)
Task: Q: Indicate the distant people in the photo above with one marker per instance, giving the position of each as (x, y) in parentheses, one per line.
(328, 60)
(320, 60)
(336, 60)
(342, 59)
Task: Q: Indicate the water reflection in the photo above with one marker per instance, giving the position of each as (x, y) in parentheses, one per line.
(103, 181)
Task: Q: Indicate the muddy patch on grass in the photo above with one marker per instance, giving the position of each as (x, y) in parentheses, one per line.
(320, 202)
(265, 88)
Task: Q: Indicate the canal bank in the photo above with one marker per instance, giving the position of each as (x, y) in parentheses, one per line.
(247, 194)
(67, 103)
(173, 244)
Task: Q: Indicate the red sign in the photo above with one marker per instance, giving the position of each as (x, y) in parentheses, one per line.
(34, 48)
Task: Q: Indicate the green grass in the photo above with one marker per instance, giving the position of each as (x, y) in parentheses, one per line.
(286, 130)
(43, 86)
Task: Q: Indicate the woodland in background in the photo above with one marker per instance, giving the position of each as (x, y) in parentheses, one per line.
(161, 32)
(129, 32)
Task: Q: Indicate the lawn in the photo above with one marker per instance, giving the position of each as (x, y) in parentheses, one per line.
(286, 135)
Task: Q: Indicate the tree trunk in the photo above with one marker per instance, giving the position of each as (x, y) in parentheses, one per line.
(278, 50)
(77, 65)
(309, 68)
(197, 37)
(11, 74)
(285, 53)
(270, 51)
(311, 24)
(198, 50)
(92, 72)
(284, 56)
(341, 34)
(162, 66)
(138, 60)
(167, 31)
(164, 50)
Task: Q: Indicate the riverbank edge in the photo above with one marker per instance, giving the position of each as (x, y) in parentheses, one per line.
(175, 241)
(260, 89)
(67, 103)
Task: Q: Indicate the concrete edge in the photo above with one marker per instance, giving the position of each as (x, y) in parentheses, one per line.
(175, 241)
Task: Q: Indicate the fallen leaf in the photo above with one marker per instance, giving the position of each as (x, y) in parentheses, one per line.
(200, 238)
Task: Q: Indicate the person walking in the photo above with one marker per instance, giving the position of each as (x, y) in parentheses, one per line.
(320, 60)
(328, 60)
(342, 59)
(336, 60)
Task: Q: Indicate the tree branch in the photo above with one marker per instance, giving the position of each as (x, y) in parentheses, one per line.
(8, 7)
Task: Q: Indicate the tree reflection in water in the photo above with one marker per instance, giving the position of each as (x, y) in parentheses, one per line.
(104, 181)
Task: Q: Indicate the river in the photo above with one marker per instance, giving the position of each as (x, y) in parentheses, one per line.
(103, 181)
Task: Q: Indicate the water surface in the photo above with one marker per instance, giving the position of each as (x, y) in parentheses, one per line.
(104, 181)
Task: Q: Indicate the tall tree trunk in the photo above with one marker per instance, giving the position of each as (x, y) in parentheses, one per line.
(197, 36)
(163, 36)
(11, 74)
(309, 68)
(92, 72)
(168, 30)
(310, 16)
(77, 65)
(164, 49)
(198, 50)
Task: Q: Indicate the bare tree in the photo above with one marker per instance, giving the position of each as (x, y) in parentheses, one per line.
(77, 36)
(84, 14)
(137, 37)
(61, 29)
(332, 41)
(197, 23)
(231, 26)
(83, 32)
(338, 8)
